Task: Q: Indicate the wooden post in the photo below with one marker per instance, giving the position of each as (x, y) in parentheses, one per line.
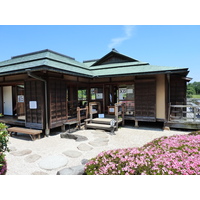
(63, 128)
(117, 115)
(79, 116)
(136, 123)
(123, 111)
(169, 111)
(87, 112)
(195, 113)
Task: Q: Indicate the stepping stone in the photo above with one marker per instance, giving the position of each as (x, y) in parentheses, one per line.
(84, 147)
(81, 138)
(32, 158)
(21, 153)
(101, 134)
(68, 136)
(99, 142)
(53, 162)
(84, 161)
(39, 173)
(78, 138)
(77, 170)
(12, 148)
(72, 154)
(98, 131)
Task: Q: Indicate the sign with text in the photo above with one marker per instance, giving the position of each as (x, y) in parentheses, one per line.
(33, 104)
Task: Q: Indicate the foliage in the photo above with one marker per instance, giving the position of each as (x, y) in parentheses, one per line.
(3, 164)
(193, 88)
(196, 96)
(194, 133)
(3, 138)
(163, 156)
(190, 91)
(3, 147)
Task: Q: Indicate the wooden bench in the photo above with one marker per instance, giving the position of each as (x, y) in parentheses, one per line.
(33, 133)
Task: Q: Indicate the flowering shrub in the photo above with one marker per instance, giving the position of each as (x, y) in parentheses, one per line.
(3, 164)
(175, 155)
(3, 148)
(194, 133)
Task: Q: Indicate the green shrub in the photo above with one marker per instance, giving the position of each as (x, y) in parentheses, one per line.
(3, 147)
(194, 133)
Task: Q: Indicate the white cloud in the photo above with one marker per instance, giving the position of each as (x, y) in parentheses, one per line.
(128, 31)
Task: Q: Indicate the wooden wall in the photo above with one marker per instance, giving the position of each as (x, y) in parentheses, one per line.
(34, 91)
(57, 102)
(145, 99)
(177, 90)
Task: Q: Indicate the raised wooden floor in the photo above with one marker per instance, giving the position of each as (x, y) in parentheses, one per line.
(12, 120)
(183, 125)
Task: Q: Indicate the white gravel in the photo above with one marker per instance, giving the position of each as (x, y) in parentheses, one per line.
(53, 145)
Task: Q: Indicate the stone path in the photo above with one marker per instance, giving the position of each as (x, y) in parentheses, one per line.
(32, 158)
(21, 153)
(84, 147)
(99, 142)
(53, 162)
(64, 156)
(72, 153)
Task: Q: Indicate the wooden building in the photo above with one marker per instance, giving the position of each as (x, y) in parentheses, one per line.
(43, 89)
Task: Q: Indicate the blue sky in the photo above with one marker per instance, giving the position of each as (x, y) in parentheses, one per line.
(164, 45)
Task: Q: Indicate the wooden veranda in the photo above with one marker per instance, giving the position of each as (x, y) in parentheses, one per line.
(184, 116)
(12, 120)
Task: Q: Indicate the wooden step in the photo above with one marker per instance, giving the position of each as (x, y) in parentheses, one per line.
(102, 120)
(99, 126)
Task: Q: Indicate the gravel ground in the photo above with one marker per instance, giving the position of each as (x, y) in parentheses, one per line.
(26, 156)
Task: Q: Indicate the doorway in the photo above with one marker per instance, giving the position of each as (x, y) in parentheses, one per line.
(19, 109)
(7, 100)
(111, 97)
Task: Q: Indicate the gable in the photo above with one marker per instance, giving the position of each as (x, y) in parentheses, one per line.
(114, 57)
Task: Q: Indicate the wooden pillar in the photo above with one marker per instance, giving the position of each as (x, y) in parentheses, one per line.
(136, 123)
(63, 128)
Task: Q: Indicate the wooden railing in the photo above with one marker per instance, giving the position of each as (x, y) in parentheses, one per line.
(119, 114)
(82, 113)
(186, 113)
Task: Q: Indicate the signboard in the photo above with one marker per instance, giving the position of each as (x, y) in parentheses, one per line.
(129, 90)
(99, 95)
(20, 98)
(112, 110)
(101, 115)
(33, 104)
(122, 93)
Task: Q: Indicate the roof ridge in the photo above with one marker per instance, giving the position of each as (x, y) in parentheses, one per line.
(41, 51)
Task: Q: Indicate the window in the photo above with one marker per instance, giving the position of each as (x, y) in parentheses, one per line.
(82, 94)
(126, 92)
(96, 93)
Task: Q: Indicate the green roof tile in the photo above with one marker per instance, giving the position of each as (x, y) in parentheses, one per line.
(51, 60)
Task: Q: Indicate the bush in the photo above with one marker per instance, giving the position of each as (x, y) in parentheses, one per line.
(174, 155)
(194, 133)
(3, 147)
(3, 164)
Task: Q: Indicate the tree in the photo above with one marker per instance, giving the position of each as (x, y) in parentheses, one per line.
(196, 86)
(193, 88)
(190, 91)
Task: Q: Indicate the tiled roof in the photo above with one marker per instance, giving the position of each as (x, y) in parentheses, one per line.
(112, 64)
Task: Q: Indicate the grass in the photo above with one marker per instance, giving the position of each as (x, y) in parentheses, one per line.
(197, 96)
